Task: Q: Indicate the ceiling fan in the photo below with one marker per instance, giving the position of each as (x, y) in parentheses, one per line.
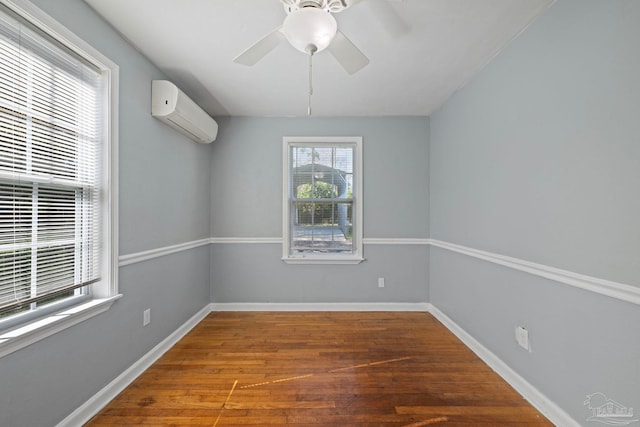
(310, 27)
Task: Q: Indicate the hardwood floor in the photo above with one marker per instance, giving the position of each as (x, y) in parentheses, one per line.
(319, 369)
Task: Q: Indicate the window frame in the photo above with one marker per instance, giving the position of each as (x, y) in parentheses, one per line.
(23, 329)
(354, 257)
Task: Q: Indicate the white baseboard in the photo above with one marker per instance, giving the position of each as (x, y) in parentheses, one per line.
(98, 401)
(548, 408)
(347, 306)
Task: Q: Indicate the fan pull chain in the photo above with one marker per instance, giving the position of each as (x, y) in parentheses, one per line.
(310, 81)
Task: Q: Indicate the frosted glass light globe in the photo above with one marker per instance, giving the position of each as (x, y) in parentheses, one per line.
(310, 27)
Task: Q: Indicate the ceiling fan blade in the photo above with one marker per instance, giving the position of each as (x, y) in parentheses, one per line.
(261, 48)
(347, 54)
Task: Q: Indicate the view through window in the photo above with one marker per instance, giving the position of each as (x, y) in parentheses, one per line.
(52, 118)
(322, 197)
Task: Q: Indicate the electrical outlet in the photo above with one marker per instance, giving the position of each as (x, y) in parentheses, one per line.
(146, 317)
(381, 282)
(522, 337)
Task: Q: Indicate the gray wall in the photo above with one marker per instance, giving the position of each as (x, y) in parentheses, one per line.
(246, 197)
(539, 159)
(164, 200)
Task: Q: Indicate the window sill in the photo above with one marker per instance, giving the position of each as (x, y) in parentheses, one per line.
(323, 260)
(23, 336)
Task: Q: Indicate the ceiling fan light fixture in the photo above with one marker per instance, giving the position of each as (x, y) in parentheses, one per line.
(310, 29)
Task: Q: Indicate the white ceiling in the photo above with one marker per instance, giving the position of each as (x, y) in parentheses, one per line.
(411, 73)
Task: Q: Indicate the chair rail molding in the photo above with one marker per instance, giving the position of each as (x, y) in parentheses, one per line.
(620, 291)
(137, 257)
(605, 287)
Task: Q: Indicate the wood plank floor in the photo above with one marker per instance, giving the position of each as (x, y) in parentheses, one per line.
(319, 369)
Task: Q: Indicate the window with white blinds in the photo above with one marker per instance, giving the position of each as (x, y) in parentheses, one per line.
(322, 199)
(52, 109)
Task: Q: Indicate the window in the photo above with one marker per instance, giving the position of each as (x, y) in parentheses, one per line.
(56, 189)
(322, 221)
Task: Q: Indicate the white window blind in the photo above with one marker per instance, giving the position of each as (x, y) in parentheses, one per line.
(51, 109)
(323, 200)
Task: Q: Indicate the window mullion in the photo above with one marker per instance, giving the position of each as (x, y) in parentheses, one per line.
(24, 62)
(312, 195)
(28, 66)
(77, 277)
(34, 244)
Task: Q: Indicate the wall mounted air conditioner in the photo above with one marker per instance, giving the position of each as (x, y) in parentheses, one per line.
(172, 106)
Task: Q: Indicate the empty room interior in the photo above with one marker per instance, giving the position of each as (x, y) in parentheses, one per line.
(356, 212)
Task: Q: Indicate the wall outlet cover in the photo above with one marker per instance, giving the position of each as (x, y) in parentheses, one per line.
(522, 337)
